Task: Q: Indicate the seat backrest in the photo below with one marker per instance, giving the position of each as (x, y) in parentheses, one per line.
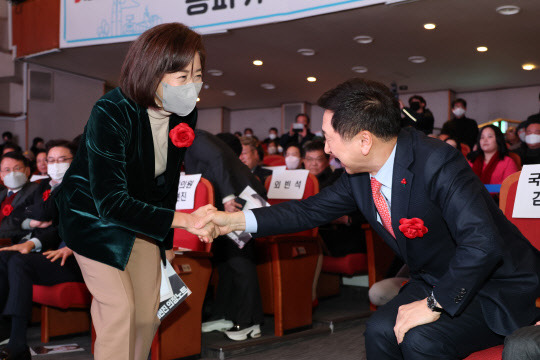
(516, 159)
(312, 188)
(530, 228)
(465, 149)
(273, 160)
(204, 194)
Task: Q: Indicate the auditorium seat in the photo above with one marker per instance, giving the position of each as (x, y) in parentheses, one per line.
(64, 309)
(274, 160)
(286, 268)
(179, 334)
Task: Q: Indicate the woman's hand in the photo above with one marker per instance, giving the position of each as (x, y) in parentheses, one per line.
(169, 254)
(198, 223)
(24, 248)
(62, 253)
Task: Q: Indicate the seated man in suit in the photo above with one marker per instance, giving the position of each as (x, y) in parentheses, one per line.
(23, 264)
(252, 155)
(467, 262)
(237, 309)
(14, 170)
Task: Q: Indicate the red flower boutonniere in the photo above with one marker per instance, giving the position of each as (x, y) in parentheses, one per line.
(46, 194)
(412, 228)
(182, 135)
(404, 181)
(7, 209)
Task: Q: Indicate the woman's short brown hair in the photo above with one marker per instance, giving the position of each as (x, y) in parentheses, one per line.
(165, 48)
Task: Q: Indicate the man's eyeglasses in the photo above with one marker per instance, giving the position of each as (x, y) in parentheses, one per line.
(17, 168)
(61, 159)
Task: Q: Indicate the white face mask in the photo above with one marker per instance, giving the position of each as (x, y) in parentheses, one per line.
(522, 135)
(57, 171)
(292, 162)
(272, 150)
(532, 139)
(458, 112)
(272, 136)
(15, 180)
(180, 99)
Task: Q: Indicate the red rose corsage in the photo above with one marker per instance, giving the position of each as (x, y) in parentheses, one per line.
(7, 209)
(404, 181)
(412, 228)
(46, 194)
(182, 135)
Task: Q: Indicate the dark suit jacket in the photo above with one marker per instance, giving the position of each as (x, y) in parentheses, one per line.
(109, 194)
(261, 173)
(11, 225)
(470, 249)
(217, 162)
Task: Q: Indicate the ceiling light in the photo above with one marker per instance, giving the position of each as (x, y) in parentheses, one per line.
(482, 49)
(257, 62)
(306, 52)
(268, 86)
(359, 69)
(429, 26)
(229, 92)
(508, 9)
(528, 66)
(198, 99)
(417, 59)
(215, 72)
(311, 79)
(363, 39)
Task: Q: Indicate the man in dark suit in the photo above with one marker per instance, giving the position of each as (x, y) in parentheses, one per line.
(251, 156)
(238, 299)
(15, 170)
(474, 277)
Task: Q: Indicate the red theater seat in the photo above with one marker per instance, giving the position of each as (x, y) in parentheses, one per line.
(64, 309)
(273, 160)
(350, 264)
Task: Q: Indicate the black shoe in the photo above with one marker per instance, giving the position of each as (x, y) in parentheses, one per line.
(5, 354)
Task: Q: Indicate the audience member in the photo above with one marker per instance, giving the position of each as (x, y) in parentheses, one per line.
(238, 305)
(248, 132)
(530, 150)
(41, 162)
(272, 135)
(491, 161)
(11, 147)
(422, 118)
(251, 156)
(23, 265)
(521, 131)
(299, 132)
(512, 139)
(37, 144)
(7, 137)
(461, 127)
(14, 170)
(318, 163)
(453, 143)
(523, 344)
(272, 147)
(293, 157)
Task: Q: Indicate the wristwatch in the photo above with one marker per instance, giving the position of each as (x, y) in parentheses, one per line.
(432, 304)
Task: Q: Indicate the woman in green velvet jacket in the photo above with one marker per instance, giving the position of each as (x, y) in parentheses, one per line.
(118, 197)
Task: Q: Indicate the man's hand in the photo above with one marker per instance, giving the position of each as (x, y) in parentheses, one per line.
(24, 248)
(62, 253)
(412, 315)
(232, 206)
(198, 223)
(226, 222)
(40, 224)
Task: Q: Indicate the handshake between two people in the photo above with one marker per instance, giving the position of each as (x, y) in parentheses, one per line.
(208, 223)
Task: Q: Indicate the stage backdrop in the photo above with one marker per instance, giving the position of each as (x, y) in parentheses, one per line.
(90, 22)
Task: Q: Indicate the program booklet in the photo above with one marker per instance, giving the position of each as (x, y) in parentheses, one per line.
(253, 201)
(173, 291)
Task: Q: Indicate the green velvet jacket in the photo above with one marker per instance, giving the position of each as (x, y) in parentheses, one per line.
(109, 194)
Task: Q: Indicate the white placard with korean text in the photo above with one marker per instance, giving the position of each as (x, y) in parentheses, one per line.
(527, 203)
(276, 169)
(91, 22)
(289, 184)
(186, 191)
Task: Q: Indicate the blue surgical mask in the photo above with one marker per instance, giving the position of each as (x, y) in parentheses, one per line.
(180, 99)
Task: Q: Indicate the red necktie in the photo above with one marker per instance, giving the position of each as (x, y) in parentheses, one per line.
(381, 205)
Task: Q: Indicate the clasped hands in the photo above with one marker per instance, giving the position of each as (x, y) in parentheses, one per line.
(208, 223)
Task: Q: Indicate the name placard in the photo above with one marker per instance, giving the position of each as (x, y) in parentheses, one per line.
(289, 184)
(527, 204)
(186, 191)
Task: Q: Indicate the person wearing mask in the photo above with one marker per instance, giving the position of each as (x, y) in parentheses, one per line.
(299, 133)
(418, 116)
(14, 170)
(34, 261)
(293, 157)
(530, 150)
(460, 127)
(117, 200)
(272, 135)
(248, 132)
(491, 161)
(251, 157)
(273, 147)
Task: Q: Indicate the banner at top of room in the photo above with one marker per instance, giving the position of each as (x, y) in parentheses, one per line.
(91, 22)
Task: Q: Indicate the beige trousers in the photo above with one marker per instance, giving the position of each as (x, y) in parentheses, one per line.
(125, 304)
